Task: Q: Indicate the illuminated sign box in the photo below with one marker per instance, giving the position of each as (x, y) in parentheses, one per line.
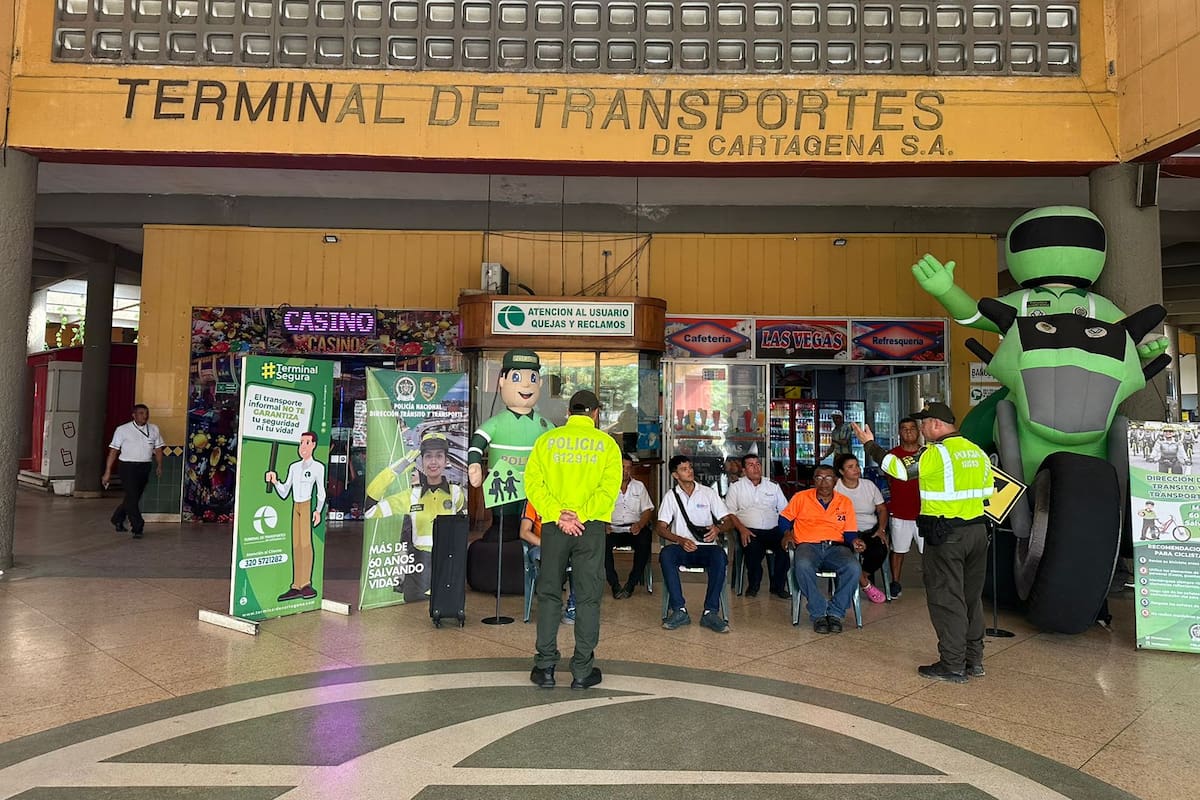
(345, 321)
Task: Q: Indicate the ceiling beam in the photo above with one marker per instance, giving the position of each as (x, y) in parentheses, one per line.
(1183, 306)
(1183, 319)
(1181, 277)
(1184, 254)
(64, 244)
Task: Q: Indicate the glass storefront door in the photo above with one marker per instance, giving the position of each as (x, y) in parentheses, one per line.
(714, 409)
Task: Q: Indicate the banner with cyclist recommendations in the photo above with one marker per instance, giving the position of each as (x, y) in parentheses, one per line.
(416, 471)
(1165, 506)
(279, 504)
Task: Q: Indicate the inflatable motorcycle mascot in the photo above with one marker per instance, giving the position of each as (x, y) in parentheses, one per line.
(1068, 358)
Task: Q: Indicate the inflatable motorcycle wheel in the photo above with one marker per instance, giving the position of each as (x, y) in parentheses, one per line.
(1065, 567)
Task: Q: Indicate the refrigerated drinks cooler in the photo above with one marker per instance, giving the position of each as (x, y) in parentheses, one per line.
(800, 434)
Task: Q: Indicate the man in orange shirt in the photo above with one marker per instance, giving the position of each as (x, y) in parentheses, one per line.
(824, 532)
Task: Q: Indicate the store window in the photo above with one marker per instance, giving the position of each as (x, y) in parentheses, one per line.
(619, 379)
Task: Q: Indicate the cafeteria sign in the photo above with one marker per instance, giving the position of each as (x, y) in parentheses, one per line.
(561, 318)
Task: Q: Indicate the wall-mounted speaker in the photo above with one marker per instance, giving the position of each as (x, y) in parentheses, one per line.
(1147, 186)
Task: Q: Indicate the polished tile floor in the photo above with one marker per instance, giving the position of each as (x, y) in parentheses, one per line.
(92, 622)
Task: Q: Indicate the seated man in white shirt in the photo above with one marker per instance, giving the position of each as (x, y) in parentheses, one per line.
(630, 528)
(692, 517)
(756, 504)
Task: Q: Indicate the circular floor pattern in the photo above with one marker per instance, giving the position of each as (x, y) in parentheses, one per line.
(477, 730)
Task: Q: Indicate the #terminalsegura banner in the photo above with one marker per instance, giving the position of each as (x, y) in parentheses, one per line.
(279, 504)
(416, 471)
(1165, 497)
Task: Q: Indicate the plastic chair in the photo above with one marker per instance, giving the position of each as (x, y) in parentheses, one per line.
(724, 593)
(740, 566)
(832, 577)
(648, 573)
(531, 573)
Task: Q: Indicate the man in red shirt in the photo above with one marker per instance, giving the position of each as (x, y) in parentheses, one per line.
(825, 535)
(905, 502)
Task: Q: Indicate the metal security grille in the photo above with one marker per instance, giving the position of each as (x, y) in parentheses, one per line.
(1031, 37)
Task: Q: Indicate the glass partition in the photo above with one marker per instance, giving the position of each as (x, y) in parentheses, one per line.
(714, 409)
(619, 379)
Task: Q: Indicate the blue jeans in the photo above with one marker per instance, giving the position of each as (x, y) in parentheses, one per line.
(813, 558)
(709, 556)
(535, 553)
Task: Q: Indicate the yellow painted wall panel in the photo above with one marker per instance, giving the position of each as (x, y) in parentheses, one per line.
(1157, 63)
(781, 275)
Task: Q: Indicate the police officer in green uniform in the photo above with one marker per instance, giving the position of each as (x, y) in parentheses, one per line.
(510, 434)
(954, 477)
(431, 496)
(573, 478)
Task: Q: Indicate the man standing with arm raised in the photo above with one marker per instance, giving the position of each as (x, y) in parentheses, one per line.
(955, 477)
(573, 478)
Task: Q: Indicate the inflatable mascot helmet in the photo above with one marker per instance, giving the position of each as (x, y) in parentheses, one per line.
(1056, 244)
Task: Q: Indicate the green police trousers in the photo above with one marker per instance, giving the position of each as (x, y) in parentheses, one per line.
(585, 555)
(954, 576)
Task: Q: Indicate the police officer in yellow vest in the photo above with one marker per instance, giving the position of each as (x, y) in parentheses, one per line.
(572, 478)
(954, 476)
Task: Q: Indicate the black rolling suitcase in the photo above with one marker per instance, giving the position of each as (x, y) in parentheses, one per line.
(448, 581)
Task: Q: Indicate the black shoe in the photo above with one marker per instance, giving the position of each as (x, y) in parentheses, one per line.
(120, 527)
(782, 593)
(616, 591)
(591, 680)
(751, 592)
(940, 672)
(623, 594)
(542, 678)
(896, 589)
(975, 671)
(290, 594)
(137, 534)
(835, 625)
(821, 624)
(308, 592)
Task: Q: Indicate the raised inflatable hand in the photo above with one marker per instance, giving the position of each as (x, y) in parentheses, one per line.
(1151, 350)
(934, 276)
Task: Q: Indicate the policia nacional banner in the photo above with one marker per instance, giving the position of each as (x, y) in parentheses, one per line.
(416, 471)
(1165, 494)
(279, 504)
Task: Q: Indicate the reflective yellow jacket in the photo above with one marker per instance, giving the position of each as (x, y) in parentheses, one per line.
(954, 476)
(575, 467)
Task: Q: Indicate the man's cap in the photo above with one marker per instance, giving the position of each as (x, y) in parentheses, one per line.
(936, 411)
(434, 441)
(731, 457)
(583, 401)
(628, 456)
(520, 358)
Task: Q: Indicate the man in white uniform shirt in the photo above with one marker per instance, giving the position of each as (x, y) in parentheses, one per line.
(692, 517)
(630, 528)
(137, 443)
(304, 478)
(756, 503)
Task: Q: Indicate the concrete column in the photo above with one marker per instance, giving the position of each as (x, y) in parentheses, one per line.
(18, 192)
(93, 382)
(1175, 379)
(1132, 277)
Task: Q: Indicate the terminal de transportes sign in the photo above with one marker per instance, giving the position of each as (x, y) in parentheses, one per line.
(561, 318)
